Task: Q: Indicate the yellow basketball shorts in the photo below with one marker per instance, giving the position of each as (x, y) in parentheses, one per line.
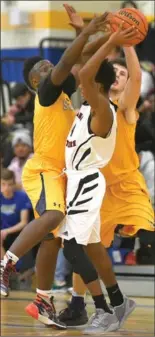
(126, 203)
(45, 189)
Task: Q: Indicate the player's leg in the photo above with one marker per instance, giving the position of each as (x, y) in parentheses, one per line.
(54, 197)
(42, 307)
(75, 313)
(76, 255)
(46, 262)
(103, 265)
(46, 192)
(33, 233)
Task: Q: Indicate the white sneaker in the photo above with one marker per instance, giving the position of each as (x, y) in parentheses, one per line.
(102, 322)
(124, 310)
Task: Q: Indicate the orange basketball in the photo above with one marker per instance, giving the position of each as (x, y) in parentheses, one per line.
(131, 17)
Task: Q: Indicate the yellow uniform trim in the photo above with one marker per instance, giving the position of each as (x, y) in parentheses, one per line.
(43, 20)
(51, 19)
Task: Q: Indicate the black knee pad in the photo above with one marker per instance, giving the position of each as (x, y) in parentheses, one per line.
(79, 260)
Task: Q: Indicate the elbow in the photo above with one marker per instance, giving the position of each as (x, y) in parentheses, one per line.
(23, 224)
(84, 76)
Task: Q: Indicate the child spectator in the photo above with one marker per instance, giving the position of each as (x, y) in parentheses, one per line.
(22, 147)
(15, 207)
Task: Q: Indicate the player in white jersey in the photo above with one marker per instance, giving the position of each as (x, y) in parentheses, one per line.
(90, 146)
(86, 152)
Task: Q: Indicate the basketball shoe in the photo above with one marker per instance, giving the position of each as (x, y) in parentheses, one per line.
(73, 316)
(5, 273)
(43, 310)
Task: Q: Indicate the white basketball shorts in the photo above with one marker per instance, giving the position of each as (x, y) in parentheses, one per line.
(85, 192)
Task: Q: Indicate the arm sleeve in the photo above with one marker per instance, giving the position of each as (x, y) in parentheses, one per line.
(69, 85)
(48, 93)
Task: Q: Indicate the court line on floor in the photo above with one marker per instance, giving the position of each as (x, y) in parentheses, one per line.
(42, 327)
(149, 306)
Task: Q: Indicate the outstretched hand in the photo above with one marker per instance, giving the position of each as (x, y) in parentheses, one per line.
(76, 20)
(98, 23)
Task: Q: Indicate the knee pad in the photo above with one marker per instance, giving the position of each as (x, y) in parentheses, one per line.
(79, 260)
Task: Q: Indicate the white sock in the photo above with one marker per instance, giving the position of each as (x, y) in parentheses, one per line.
(10, 256)
(44, 293)
(74, 294)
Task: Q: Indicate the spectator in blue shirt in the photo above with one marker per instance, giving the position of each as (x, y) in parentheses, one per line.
(15, 207)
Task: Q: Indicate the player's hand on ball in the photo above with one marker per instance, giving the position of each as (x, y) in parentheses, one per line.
(121, 37)
(98, 23)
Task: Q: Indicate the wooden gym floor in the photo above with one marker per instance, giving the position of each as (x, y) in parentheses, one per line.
(15, 322)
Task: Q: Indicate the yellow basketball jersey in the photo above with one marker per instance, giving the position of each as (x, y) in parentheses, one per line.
(125, 158)
(51, 128)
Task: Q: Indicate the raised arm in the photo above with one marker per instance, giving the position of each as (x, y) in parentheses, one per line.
(97, 101)
(131, 93)
(90, 69)
(71, 55)
(76, 21)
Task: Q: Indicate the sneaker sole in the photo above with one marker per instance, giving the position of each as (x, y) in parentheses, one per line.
(32, 311)
(112, 327)
(79, 326)
(126, 316)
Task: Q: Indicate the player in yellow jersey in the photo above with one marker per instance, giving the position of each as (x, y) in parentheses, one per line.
(43, 177)
(126, 193)
(126, 200)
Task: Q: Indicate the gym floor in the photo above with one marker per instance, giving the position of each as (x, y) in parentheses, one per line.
(15, 322)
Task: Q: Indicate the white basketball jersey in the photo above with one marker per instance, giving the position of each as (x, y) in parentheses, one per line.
(85, 150)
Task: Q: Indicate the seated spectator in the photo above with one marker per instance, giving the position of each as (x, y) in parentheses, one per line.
(147, 167)
(148, 70)
(6, 151)
(145, 130)
(22, 147)
(22, 111)
(15, 207)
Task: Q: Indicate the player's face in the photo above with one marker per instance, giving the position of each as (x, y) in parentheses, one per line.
(40, 71)
(45, 68)
(22, 151)
(7, 188)
(121, 78)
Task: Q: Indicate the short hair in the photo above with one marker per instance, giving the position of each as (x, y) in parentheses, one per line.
(106, 75)
(7, 174)
(129, 2)
(121, 61)
(28, 65)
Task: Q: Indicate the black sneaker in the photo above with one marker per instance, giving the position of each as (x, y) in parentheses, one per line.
(73, 317)
(44, 311)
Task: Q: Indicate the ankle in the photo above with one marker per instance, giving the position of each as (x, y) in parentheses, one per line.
(47, 294)
(77, 302)
(10, 256)
(100, 303)
(115, 295)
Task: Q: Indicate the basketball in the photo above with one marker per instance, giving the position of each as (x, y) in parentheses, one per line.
(131, 17)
